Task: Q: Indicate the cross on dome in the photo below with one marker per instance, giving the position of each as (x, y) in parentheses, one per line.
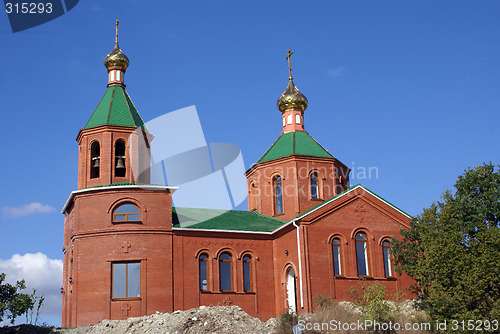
(288, 57)
(292, 98)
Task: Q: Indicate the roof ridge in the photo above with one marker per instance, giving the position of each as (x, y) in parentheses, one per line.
(127, 97)
(110, 104)
(346, 191)
(95, 109)
(266, 216)
(265, 153)
(128, 106)
(320, 145)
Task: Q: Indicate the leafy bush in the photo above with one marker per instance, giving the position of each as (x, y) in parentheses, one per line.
(13, 303)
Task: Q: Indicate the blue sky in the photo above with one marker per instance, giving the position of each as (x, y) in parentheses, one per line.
(409, 87)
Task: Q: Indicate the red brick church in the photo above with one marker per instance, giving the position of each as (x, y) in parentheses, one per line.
(128, 252)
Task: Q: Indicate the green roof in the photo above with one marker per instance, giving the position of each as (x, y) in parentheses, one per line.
(116, 108)
(233, 220)
(294, 143)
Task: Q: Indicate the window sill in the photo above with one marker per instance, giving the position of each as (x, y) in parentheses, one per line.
(119, 299)
(118, 222)
(228, 292)
(368, 278)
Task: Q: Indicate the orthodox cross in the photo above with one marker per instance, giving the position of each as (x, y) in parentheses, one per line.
(289, 54)
(125, 308)
(227, 301)
(117, 22)
(126, 246)
(360, 210)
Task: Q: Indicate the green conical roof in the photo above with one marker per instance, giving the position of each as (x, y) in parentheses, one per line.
(116, 108)
(294, 143)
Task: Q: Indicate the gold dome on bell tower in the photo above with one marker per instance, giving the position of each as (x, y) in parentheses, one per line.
(291, 98)
(116, 58)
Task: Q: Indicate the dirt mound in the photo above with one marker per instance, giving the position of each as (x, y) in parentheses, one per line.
(216, 319)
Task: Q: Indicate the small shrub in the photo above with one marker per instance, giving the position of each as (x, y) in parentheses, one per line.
(286, 322)
(373, 301)
(331, 312)
(323, 301)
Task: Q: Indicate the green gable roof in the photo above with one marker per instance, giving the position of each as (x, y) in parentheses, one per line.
(116, 108)
(295, 142)
(233, 220)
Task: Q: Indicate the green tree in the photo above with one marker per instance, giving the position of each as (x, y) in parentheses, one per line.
(452, 250)
(13, 303)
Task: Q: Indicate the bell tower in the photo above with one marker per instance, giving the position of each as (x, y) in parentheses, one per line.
(114, 144)
(296, 173)
(118, 243)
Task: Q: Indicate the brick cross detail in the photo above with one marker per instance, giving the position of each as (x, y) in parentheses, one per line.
(126, 246)
(125, 308)
(359, 212)
(227, 301)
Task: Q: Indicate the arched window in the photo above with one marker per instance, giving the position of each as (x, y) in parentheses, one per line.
(253, 196)
(387, 258)
(203, 264)
(314, 185)
(291, 292)
(289, 119)
(126, 212)
(337, 267)
(297, 119)
(284, 122)
(278, 195)
(225, 272)
(95, 157)
(361, 254)
(120, 168)
(247, 273)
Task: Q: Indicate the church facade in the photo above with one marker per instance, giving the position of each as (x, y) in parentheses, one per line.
(307, 231)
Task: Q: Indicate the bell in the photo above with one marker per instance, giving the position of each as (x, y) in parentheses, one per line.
(119, 163)
(96, 162)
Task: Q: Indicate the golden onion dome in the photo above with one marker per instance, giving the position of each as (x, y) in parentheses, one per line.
(292, 98)
(116, 58)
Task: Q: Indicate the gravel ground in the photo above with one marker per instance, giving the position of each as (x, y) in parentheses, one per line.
(216, 319)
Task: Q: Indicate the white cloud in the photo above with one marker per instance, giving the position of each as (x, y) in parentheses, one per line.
(25, 210)
(40, 273)
(338, 72)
